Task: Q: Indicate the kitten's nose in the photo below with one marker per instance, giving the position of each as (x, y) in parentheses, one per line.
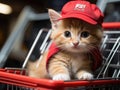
(75, 43)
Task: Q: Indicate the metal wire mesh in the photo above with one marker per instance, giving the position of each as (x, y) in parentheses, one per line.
(92, 87)
(111, 54)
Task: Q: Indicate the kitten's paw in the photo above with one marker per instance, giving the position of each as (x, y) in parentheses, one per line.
(86, 76)
(61, 77)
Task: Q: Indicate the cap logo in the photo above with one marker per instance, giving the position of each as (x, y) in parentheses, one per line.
(80, 7)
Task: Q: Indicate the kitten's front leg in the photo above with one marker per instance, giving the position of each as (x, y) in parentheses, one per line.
(58, 70)
(84, 75)
(59, 75)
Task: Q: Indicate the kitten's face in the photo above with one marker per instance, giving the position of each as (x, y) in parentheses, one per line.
(76, 36)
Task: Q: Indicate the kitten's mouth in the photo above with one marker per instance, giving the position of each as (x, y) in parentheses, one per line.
(75, 47)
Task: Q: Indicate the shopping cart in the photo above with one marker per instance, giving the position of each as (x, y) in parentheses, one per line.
(107, 77)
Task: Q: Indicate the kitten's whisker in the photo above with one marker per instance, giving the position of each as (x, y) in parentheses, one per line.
(91, 47)
(60, 46)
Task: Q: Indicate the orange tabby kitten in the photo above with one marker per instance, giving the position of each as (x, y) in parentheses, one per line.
(75, 39)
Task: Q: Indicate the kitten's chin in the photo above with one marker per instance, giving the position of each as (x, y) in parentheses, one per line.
(77, 50)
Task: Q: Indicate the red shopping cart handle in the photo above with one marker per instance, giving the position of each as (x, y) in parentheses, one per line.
(25, 81)
(111, 25)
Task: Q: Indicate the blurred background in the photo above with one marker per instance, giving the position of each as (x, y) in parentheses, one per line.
(21, 20)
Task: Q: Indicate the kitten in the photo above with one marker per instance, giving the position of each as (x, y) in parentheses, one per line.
(75, 40)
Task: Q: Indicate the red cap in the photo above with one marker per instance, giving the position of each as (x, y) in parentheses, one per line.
(83, 10)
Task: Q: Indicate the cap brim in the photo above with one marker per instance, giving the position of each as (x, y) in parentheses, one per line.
(79, 16)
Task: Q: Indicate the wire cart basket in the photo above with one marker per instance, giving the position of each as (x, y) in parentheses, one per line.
(107, 77)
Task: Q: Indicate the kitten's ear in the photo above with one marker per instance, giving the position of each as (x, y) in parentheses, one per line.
(54, 16)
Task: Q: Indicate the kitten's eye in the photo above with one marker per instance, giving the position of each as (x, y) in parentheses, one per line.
(67, 34)
(85, 34)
